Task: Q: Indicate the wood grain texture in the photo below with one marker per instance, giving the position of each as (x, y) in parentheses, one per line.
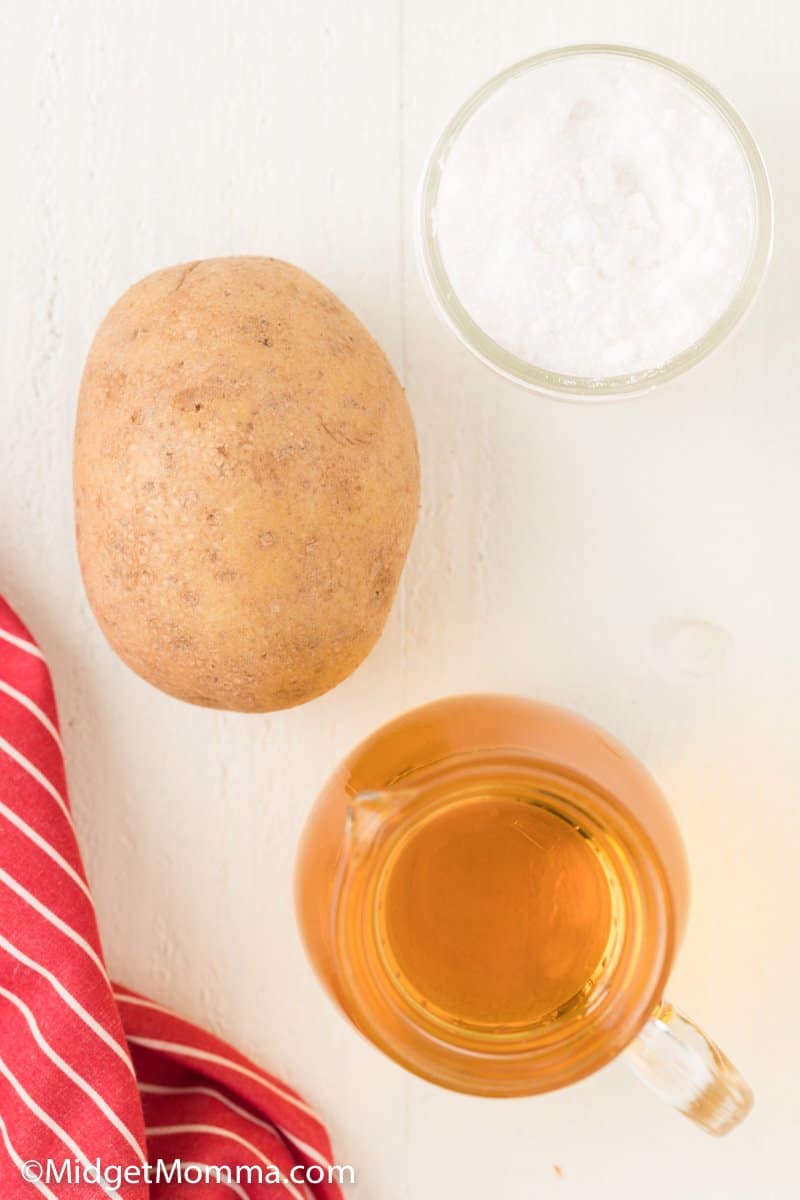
(635, 562)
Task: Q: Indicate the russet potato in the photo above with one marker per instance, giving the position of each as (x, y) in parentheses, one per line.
(246, 483)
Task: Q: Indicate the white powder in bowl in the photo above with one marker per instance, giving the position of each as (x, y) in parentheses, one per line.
(596, 215)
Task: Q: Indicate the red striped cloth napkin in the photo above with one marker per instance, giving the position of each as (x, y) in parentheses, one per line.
(91, 1071)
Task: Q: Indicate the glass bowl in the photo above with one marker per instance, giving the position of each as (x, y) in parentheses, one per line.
(573, 387)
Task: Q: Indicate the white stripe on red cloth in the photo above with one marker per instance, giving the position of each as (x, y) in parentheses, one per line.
(219, 1131)
(155, 1089)
(208, 1056)
(21, 643)
(35, 773)
(72, 1074)
(18, 1162)
(62, 1034)
(33, 707)
(54, 920)
(63, 1136)
(45, 847)
(209, 1169)
(69, 1000)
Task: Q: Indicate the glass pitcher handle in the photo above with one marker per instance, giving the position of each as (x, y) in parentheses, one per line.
(684, 1067)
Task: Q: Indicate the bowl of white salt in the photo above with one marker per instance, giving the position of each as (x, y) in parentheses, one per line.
(594, 221)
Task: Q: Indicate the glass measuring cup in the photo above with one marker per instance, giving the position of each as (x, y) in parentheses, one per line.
(493, 890)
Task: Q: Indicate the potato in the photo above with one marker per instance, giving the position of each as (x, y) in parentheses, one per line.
(246, 483)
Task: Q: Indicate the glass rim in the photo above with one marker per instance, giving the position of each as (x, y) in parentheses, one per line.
(552, 383)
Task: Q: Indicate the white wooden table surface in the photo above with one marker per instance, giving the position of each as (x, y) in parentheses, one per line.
(636, 562)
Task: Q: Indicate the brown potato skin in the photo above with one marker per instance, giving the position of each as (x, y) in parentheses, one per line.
(246, 483)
